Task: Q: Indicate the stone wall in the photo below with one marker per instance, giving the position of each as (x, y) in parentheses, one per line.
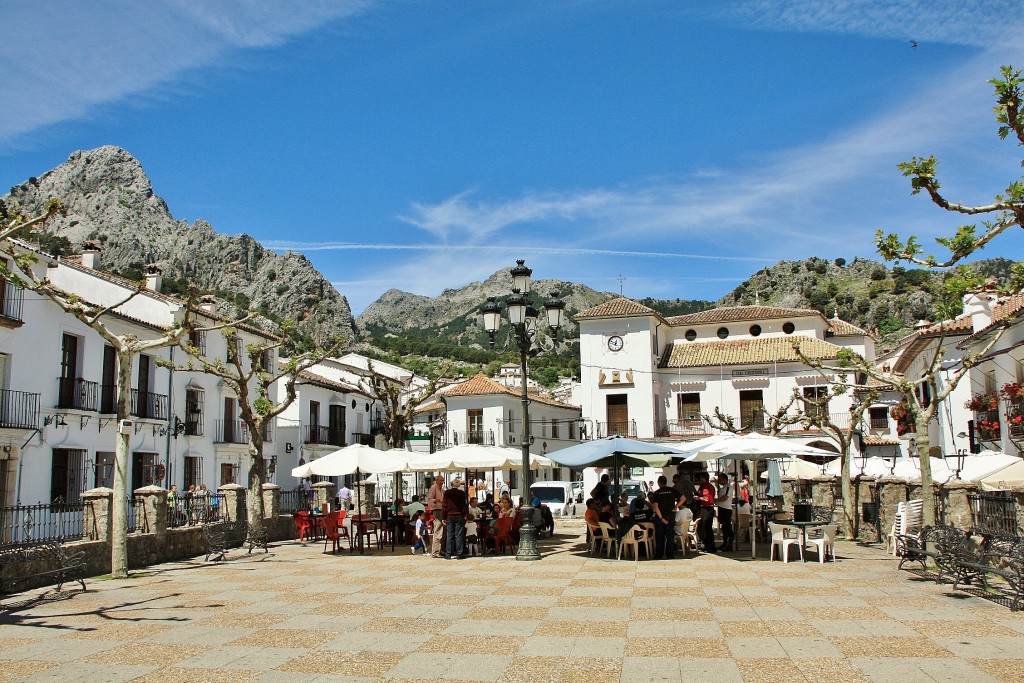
(158, 543)
(953, 505)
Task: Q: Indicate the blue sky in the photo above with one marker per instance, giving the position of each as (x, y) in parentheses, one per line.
(422, 146)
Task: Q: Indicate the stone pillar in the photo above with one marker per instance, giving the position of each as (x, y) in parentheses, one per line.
(232, 504)
(365, 496)
(154, 510)
(323, 495)
(96, 515)
(957, 506)
(271, 500)
(867, 493)
(891, 492)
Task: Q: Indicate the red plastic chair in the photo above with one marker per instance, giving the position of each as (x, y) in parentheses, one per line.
(502, 534)
(333, 532)
(304, 524)
(364, 530)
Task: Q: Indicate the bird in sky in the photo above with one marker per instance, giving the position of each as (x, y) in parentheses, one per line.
(913, 44)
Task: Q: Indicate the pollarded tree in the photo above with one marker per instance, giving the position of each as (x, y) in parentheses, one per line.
(774, 423)
(1005, 212)
(251, 371)
(398, 403)
(127, 347)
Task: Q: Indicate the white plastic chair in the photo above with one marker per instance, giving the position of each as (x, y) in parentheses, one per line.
(823, 537)
(693, 535)
(608, 540)
(642, 533)
(783, 537)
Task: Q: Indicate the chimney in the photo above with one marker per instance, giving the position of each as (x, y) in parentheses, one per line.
(978, 305)
(154, 278)
(90, 254)
(207, 302)
(922, 325)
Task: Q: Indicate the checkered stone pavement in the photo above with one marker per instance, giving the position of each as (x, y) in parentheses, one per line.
(298, 614)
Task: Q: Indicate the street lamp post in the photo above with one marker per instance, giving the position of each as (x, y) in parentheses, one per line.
(523, 318)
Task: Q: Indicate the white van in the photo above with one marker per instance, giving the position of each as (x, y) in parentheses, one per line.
(557, 495)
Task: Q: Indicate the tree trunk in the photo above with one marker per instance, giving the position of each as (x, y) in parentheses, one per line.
(257, 475)
(849, 500)
(927, 490)
(119, 504)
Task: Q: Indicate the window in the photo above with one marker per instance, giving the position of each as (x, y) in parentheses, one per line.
(723, 332)
(688, 410)
(879, 418)
(67, 476)
(554, 429)
(755, 330)
(197, 338)
(475, 425)
(816, 402)
(691, 335)
(789, 328)
(266, 360)
(513, 479)
(108, 381)
(194, 399)
(752, 409)
(572, 430)
(104, 470)
(193, 471)
(143, 469)
(336, 424)
(66, 394)
(924, 394)
(228, 473)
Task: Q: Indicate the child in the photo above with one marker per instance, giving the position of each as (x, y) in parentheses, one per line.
(417, 520)
(472, 542)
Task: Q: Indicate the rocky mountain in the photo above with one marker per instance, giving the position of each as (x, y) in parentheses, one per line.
(111, 202)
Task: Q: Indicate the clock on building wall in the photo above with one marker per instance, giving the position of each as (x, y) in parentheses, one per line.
(615, 343)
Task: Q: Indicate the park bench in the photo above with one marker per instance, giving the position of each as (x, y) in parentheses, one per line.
(220, 536)
(47, 559)
(938, 543)
(992, 555)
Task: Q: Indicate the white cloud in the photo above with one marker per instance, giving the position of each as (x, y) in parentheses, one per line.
(61, 60)
(979, 24)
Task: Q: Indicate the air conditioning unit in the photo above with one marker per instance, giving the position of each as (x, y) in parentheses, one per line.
(125, 426)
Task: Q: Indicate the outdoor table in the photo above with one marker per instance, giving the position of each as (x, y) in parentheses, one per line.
(765, 515)
(802, 526)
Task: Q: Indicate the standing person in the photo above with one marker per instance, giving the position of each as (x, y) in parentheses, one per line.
(706, 494)
(664, 500)
(455, 509)
(435, 500)
(724, 502)
(600, 491)
(345, 497)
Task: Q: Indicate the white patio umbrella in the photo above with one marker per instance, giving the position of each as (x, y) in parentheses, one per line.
(354, 459)
(752, 446)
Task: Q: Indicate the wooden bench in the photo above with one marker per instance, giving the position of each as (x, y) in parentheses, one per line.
(48, 559)
(220, 536)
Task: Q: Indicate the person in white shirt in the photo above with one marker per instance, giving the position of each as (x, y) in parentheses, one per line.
(724, 503)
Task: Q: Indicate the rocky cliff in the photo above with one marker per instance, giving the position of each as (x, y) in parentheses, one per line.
(110, 201)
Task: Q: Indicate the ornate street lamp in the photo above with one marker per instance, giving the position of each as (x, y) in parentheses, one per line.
(961, 456)
(524, 318)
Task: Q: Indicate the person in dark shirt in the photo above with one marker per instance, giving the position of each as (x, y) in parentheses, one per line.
(600, 492)
(642, 512)
(663, 504)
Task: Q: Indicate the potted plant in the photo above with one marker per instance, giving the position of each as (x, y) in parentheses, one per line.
(1011, 392)
(984, 402)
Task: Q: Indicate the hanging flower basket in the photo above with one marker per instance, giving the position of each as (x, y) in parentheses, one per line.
(1011, 392)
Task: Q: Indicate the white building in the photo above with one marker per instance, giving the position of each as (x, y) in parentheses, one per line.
(651, 377)
(58, 414)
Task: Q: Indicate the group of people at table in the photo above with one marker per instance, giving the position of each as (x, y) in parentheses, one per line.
(672, 511)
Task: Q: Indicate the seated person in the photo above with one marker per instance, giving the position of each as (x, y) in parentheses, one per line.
(642, 512)
(487, 505)
(413, 507)
(623, 506)
(475, 512)
(606, 514)
(505, 508)
(592, 517)
(684, 515)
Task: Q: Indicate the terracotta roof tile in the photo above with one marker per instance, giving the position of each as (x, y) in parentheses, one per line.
(427, 407)
(841, 327)
(734, 313)
(881, 441)
(744, 351)
(619, 306)
(330, 383)
(481, 385)
(1012, 305)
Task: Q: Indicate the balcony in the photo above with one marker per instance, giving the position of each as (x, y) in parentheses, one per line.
(482, 437)
(194, 424)
(11, 299)
(329, 436)
(76, 394)
(1015, 418)
(149, 405)
(19, 410)
(108, 399)
(231, 431)
(987, 422)
(682, 428)
(620, 427)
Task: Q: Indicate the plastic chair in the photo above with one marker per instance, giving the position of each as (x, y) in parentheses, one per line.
(596, 538)
(503, 534)
(332, 532)
(823, 537)
(608, 540)
(304, 524)
(364, 530)
(744, 527)
(638, 535)
(693, 535)
(782, 538)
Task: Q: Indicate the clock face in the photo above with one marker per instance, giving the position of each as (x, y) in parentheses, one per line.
(615, 343)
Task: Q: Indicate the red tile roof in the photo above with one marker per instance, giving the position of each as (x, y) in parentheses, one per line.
(617, 307)
(336, 385)
(735, 313)
(481, 385)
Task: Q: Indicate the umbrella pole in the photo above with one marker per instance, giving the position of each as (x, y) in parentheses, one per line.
(753, 509)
